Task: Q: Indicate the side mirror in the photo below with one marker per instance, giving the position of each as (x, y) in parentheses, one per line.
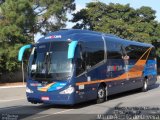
(71, 49)
(22, 50)
(20, 56)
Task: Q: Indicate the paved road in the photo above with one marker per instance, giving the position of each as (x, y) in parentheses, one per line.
(13, 105)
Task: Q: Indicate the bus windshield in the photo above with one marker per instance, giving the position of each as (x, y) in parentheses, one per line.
(50, 60)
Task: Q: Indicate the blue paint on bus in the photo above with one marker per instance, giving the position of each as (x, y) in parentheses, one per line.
(70, 72)
(150, 68)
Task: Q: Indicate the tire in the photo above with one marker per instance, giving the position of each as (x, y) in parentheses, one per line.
(101, 94)
(145, 85)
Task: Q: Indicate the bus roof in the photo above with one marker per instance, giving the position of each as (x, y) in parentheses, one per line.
(78, 34)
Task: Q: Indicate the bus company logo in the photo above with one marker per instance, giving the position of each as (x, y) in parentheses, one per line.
(114, 68)
(53, 37)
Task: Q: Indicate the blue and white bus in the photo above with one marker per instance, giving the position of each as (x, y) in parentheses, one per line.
(73, 66)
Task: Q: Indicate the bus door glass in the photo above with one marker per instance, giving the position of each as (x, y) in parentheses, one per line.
(80, 59)
(81, 74)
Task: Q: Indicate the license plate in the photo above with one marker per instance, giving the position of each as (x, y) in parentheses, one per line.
(44, 98)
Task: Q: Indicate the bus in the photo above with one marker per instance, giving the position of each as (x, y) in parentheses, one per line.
(71, 66)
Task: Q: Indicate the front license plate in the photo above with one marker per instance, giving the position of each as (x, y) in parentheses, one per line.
(44, 98)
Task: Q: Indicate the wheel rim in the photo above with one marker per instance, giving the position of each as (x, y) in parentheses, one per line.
(101, 93)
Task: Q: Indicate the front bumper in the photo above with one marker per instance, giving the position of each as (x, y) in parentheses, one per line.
(62, 99)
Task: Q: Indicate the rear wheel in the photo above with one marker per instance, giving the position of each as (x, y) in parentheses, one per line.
(101, 94)
(145, 85)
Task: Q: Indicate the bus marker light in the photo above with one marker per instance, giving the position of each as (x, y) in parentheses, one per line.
(81, 87)
(93, 88)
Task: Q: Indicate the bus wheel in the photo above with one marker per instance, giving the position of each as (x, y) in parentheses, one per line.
(145, 85)
(101, 94)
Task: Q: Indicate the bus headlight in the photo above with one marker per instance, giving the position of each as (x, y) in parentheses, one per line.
(28, 90)
(69, 90)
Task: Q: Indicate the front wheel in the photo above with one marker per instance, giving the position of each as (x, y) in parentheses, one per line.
(101, 94)
(145, 85)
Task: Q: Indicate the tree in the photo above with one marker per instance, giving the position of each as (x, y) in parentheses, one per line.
(122, 20)
(17, 21)
(51, 14)
(21, 19)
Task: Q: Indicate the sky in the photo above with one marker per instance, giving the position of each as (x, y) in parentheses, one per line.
(154, 4)
(80, 4)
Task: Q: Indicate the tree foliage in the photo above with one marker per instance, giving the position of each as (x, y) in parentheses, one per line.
(21, 19)
(122, 20)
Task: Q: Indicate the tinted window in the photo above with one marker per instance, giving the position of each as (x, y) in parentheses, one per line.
(59, 46)
(80, 60)
(152, 54)
(94, 52)
(42, 47)
(113, 50)
(136, 52)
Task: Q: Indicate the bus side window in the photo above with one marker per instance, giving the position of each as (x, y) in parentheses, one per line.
(123, 51)
(152, 54)
(114, 50)
(80, 60)
(94, 53)
(135, 52)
